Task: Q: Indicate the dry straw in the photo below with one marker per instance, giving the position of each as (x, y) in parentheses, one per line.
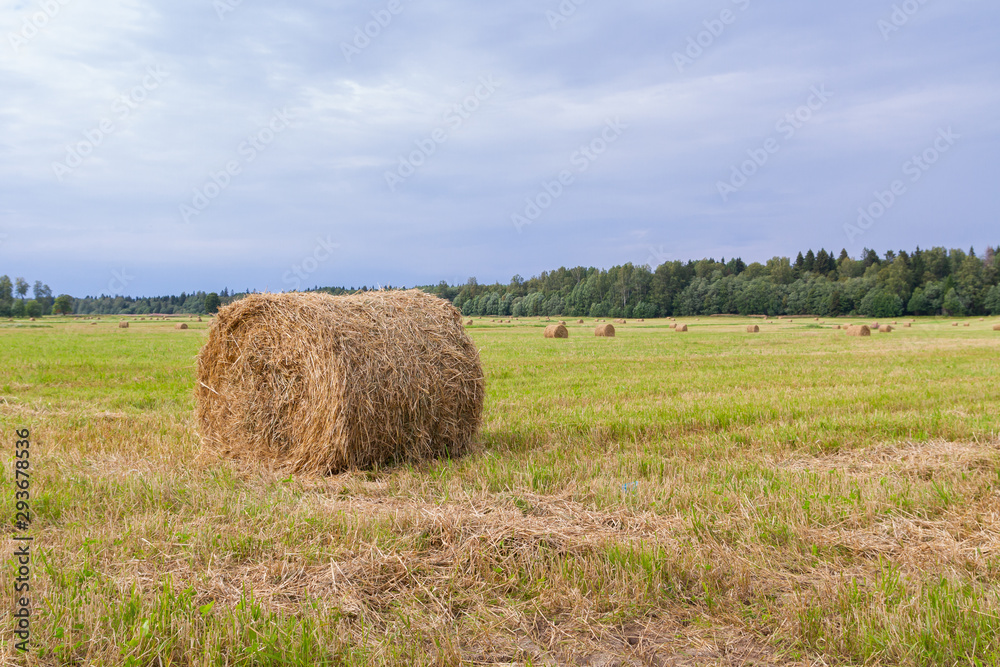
(123, 325)
(317, 383)
(181, 325)
(556, 331)
(859, 330)
(604, 331)
(753, 328)
(681, 327)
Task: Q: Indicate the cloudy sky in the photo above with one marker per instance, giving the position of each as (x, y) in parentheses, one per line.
(155, 147)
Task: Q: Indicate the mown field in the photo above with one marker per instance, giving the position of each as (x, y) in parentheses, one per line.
(713, 497)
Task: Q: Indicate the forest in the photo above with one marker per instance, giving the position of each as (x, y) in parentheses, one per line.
(922, 282)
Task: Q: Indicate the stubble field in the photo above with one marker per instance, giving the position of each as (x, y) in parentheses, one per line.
(795, 496)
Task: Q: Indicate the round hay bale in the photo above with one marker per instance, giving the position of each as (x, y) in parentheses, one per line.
(604, 331)
(181, 325)
(579, 321)
(199, 318)
(673, 325)
(681, 327)
(320, 383)
(885, 328)
(556, 331)
(123, 325)
(858, 330)
(753, 328)
(836, 326)
(32, 319)
(954, 324)
(93, 323)
(641, 320)
(966, 324)
(996, 327)
(907, 325)
(619, 321)
(468, 323)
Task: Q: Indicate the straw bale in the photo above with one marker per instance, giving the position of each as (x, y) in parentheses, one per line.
(858, 330)
(181, 325)
(681, 327)
(753, 328)
(123, 325)
(320, 383)
(604, 331)
(885, 328)
(556, 331)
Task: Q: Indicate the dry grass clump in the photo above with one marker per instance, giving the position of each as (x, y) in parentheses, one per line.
(556, 331)
(605, 331)
(753, 328)
(123, 325)
(181, 325)
(317, 383)
(681, 327)
(858, 330)
(885, 328)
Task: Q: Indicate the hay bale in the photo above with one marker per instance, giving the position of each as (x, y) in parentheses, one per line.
(858, 330)
(836, 326)
(954, 324)
(966, 324)
(561, 323)
(619, 321)
(681, 327)
(579, 321)
(181, 325)
(874, 326)
(641, 320)
(753, 328)
(123, 325)
(32, 319)
(996, 327)
(673, 325)
(199, 318)
(468, 323)
(907, 325)
(885, 328)
(556, 331)
(604, 331)
(320, 383)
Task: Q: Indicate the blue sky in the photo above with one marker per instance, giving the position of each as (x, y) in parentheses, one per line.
(152, 148)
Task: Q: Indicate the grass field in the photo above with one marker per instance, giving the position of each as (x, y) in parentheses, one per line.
(795, 496)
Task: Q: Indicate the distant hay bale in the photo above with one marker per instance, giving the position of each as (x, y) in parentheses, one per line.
(32, 319)
(181, 325)
(836, 326)
(996, 327)
(561, 323)
(874, 326)
(556, 331)
(199, 318)
(966, 324)
(319, 383)
(753, 328)
(641, 320)
(673, 325)
(954, 324)
(468, 323)
(907, 325)
(123, 325)
(681, 327)
(604, 331)
(619, 321)
(858, 330)
(885, 328)
(579, 321)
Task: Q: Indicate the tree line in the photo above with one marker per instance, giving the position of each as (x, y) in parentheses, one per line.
(922, 282)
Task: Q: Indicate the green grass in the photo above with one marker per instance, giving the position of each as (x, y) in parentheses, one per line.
(796, 495)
